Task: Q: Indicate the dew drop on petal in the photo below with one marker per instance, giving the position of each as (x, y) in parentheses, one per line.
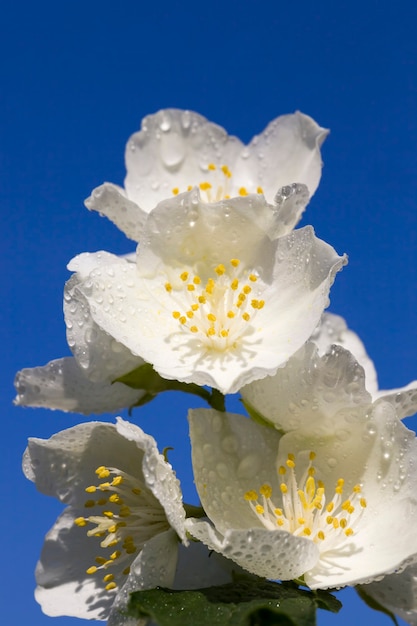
(172, 150)
(248, 466)
(186, 119)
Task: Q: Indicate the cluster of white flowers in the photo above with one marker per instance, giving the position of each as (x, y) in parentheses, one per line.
(317, 484)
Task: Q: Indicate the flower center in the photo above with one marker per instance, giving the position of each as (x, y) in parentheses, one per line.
(304, 509)
(217, 186)
(127, 515)
(218, 310)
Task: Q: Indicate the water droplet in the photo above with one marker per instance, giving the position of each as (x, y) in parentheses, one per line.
(222, 470)
(229, 444)
(90, 335)
(172, 150)
(165, 122)
(371, 428)
(186, 119)
(249, 466)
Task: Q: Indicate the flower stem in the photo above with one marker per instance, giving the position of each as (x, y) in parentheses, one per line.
(217, 400)
(194, 511)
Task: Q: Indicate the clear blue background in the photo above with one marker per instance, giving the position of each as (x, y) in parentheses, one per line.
(75, 80)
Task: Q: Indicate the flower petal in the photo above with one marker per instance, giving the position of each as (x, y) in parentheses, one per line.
(62, 384)
(154, 567)
(290, 203)
(173, 149)
(398, 593)
(287, 151)
(159, 475)
(277, 555)
(111, 201)
(229, 454)
(63, 586)
(79, 451)
(333, 329)
(310, 391)
(101, 357)
(404, 399)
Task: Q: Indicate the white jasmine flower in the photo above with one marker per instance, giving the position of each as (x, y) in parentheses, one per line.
(83, 383)
(398, 593)
(213, 299)
(331, 500)
(176, 151)
(123, 520)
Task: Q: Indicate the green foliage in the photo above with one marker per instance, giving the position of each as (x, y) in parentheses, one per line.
(146, 379)
(244, 603)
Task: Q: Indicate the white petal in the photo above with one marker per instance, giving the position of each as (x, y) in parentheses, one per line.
(64, 588)
(62, 384)
(85, 262)
(231, 455)
(173, 149)
(287, 151)
(398, 593)
(187, 231)
(158, 473)
(65, 464)
(111, 201)
(333, 329)
(310, 390)
(403, 399)
(153, 567)
(277, 555)
(101, 357)
(290, 203)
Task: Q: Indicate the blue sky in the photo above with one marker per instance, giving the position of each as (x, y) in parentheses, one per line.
(75, 80)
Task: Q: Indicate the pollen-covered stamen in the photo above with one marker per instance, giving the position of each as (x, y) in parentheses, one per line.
(126, 515)
(301, 507)
(219, 309)
(217, 185)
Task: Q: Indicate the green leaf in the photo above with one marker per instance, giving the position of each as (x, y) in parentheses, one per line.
(374, 604)
(244, 603)
(145, 378)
